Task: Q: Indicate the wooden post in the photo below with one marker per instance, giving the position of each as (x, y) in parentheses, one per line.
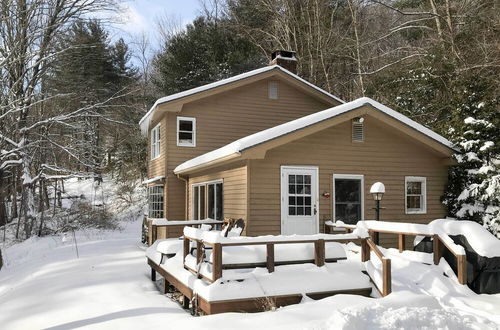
(270, 257)
(386, 274)
(437, 248)
(319, 252)
(154, 233)
(185, 302)
(185, 248)
(199, 252)
(373, 236)
(217, 261)
(153, 274)
(462, 269)
(150, 232)
(365, 250)
(165, 286)
(401, 242)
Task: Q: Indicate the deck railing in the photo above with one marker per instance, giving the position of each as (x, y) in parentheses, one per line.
(319, 255)
(440, 241)
(155, 224)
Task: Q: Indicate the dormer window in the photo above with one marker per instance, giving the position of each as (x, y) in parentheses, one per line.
(358, 132)
(273, 90)
(155, 142)
(186, 132)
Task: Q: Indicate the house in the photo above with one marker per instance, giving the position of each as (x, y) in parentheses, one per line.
(286, 156)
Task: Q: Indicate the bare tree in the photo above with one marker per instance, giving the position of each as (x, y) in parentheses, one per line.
(28, 37)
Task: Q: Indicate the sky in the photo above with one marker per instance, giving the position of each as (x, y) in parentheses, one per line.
(140, 16)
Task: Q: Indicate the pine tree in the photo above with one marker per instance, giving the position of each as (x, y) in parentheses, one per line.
(473, 191)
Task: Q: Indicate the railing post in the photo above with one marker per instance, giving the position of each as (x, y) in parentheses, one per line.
(462, 269)
(217, 262)
(270, 257)
(154, 233)
(199, 252)
(386, 273)
(319, 252)
(365, 250)
(401, 241)
(373, 236)
(437, 248)
(185, 248)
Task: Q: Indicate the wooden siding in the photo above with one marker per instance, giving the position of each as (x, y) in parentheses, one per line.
(234, 191)
(156, 167)
(224, 118)
(387, 155)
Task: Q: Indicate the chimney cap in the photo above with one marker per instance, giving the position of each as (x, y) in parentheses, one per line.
(283, 54)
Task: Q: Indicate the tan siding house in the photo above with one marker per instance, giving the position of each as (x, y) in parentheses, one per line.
(263, 148)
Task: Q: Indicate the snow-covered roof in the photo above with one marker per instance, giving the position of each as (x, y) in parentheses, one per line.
(144, 122)
(250, 141)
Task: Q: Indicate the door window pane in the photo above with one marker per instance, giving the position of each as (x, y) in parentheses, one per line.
(299, 195)
(210, 201)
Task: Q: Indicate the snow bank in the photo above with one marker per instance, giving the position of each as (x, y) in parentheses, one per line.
(274, 132)
(482, 241)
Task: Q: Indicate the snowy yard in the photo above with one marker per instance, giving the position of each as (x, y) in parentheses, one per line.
(45, 285)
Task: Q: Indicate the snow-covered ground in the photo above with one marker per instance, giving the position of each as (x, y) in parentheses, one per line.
(45, 285)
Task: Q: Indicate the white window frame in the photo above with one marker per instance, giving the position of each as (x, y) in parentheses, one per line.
(423, 180)
(162, 210)
(184, 144)
(156, 142)
(354, 177)
(270, 91)
(206, 184)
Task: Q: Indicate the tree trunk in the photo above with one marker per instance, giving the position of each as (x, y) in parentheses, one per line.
(3, 212)
(1, 259)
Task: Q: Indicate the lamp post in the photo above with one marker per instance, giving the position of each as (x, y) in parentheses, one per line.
(377, 190)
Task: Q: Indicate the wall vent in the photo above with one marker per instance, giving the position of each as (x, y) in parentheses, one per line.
(358, 134)
(273, 90)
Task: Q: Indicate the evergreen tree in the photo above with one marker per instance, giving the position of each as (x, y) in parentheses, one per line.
(473, 191)
(208, 50)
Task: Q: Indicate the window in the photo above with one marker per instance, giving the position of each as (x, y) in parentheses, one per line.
(273, 90)
(208, 200)
(415, 195)
(349, 197)
(186, 132)
(155, 142)
(155, 201)
(358, 134)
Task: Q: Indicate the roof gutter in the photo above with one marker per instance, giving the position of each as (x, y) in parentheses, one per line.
(207, 164)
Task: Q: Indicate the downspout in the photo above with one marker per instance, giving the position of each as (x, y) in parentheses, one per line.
(186, 195)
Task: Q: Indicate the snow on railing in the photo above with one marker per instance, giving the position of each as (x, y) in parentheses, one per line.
(216, 243)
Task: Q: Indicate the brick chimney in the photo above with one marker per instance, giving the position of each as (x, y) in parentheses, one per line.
(285, 59)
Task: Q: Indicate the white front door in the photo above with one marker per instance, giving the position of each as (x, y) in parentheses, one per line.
(299, 200)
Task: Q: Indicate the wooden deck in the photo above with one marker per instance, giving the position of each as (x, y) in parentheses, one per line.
(201, 305)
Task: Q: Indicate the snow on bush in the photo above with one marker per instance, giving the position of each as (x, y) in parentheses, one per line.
(474, 185)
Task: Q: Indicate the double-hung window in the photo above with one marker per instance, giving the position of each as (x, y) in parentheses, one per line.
(155, 201)
(186, 132)
(415, 195)
(155, 142)
(208, 200)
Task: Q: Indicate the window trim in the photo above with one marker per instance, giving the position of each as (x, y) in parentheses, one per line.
(206, 184)
(423, 180)
(354, 177)
(154, 144)
(193, 121)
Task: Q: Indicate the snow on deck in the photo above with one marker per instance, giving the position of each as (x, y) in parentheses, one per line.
(258, 282)
(297, 124)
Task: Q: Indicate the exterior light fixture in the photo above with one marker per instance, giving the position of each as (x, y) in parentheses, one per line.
(377, 190)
